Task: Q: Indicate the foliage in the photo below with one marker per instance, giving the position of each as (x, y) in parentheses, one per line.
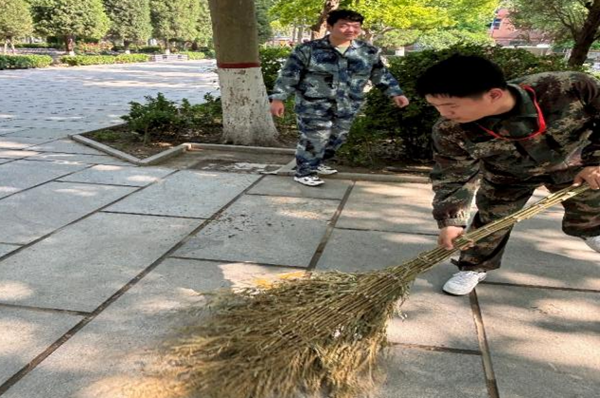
(81, 60)
(194, 55)
(203, 36)
(561, 19)
(35, 45)
(175, 19)
(130, 19)
(265, 32)
(157, 115)
(62, 18)
(15, 19)
(271, 61)
(24, 61)
(93, 48)
(387, 132)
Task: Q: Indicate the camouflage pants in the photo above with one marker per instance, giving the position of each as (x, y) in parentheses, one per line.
(581, 219)
(320, 137)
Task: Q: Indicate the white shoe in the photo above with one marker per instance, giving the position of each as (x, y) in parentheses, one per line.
(310, 180)
(326, 170)
(593, 242)
(463, 282)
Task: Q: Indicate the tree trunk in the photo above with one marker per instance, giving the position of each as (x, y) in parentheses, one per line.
(586, 36)
(319, 29)
(246, 116)
(70, 44)
(126, 44)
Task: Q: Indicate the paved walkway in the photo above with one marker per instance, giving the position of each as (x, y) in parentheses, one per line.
(97, 257)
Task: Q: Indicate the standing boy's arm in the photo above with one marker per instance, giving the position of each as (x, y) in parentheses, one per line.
(383, 79)
(291, 74)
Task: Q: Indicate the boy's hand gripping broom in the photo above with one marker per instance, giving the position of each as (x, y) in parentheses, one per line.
(309, 336)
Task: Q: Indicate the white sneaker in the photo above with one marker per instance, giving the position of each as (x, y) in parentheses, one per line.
(593, 242)
(326, 170)
(310, 180)
(463, 282)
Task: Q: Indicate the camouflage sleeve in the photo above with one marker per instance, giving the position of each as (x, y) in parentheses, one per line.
(290, 74)
(588, 90)
(454, 177)
(383, 79)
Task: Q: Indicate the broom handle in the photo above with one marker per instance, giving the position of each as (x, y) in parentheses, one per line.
(432, 257)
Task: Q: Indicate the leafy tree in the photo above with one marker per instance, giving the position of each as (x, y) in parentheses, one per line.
(69, 19)
(576, 20)
(130, 20)
(175, 19)
(263, 23)
(203, 27)
(15, 21)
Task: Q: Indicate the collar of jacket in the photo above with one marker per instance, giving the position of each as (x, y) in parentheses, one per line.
(524, 109)
(325, 43)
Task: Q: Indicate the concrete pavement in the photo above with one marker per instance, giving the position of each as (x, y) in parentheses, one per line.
(97, 257)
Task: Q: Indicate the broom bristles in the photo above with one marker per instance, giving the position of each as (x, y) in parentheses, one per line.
(303, 337)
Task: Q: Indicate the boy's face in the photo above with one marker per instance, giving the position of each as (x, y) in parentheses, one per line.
(344, 30)
(463, 110)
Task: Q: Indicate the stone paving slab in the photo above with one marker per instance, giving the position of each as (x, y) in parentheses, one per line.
(187, 194)
(432, 318)
(47, 132)
(414, 373)
(32, 214)
(263, 229)
(3, 160)
(77, 159)
(544, 343)
(20, 142)
(119, 175)
(21, 174)
(286, 186)
(98, 255)
(26, 334)
(539, 253)
(389, 207)
(117, 347)
(5, 249)
(66, 146)
(16, 154)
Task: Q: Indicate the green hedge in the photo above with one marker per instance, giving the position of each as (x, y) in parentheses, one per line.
(194, 55)
(385, 131)
(36, 45)
(24, 61)
(80, 60)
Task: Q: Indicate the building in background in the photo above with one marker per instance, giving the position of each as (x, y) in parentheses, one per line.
(505, 34)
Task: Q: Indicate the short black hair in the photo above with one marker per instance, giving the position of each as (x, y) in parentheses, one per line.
(348, 15)
(461, 76)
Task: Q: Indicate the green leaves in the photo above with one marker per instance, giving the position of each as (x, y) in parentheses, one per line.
(15, 19)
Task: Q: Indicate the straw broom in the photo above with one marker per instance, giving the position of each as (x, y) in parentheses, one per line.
(314, 336)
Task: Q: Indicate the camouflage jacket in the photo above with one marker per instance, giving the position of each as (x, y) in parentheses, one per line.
(570, 104)
(324, 80)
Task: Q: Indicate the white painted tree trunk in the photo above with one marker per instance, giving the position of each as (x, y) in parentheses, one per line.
(246, 119)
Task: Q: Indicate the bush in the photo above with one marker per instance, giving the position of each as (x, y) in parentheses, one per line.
(157, 116)
(271, 60)
(24, 61)
(92, 48)
(36, 45)
(80, 60)
(194, 55)
(407, 133)
(150, 50)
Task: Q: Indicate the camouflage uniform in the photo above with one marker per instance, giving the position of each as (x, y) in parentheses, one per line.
(509, 171)
(329, 88)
